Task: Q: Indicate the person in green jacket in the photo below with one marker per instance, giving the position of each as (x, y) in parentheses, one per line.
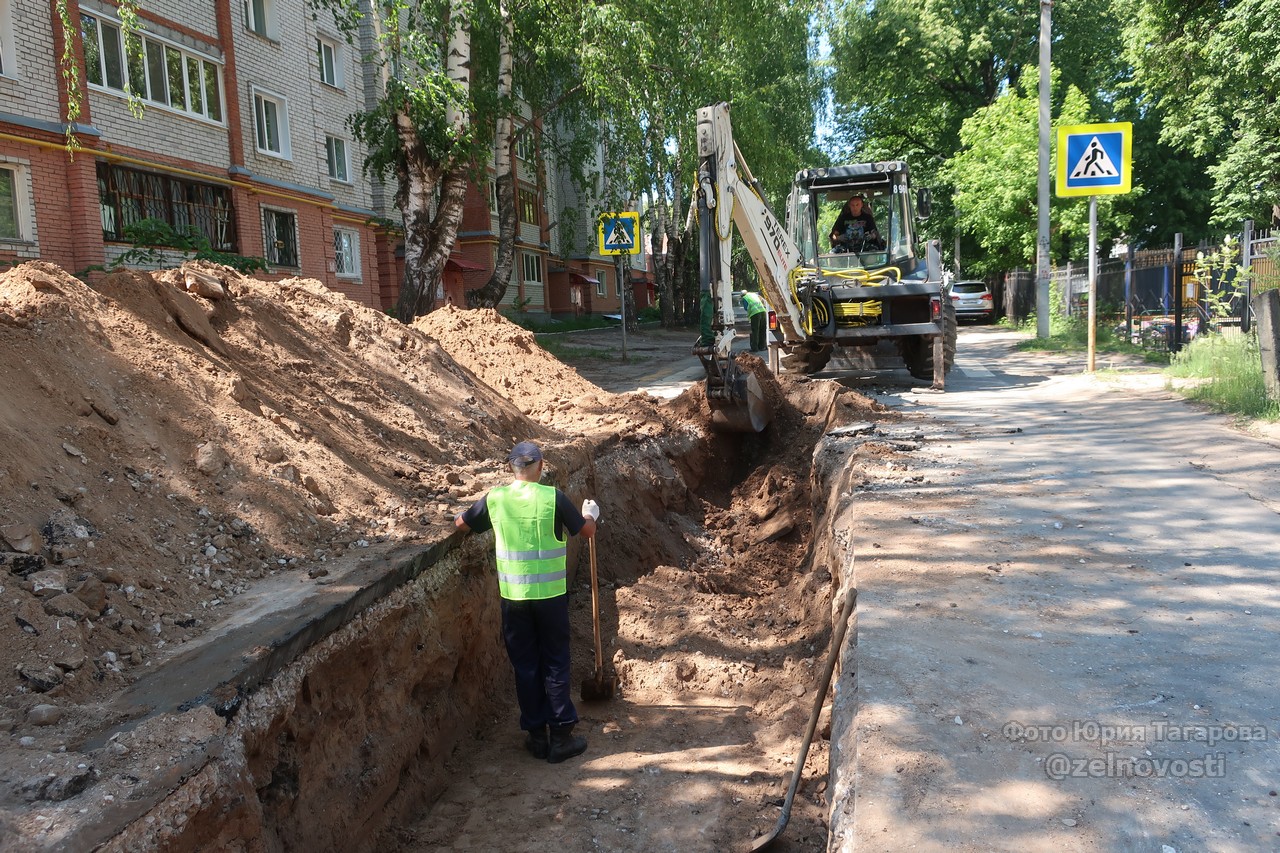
(758, 313)
(529, 521)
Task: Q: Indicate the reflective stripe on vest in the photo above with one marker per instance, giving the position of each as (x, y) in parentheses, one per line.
(531, 560)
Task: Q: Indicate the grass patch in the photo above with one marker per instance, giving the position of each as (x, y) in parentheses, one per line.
(539, 325)
(570, 353)
(1072, 335)
(1231, 367)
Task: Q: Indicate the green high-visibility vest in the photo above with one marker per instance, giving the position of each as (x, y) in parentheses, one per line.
(531, 560)
(753, 302)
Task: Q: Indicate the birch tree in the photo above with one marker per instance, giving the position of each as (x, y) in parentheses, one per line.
(422, 132)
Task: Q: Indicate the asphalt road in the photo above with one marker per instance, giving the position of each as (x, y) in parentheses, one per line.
(1067, 628)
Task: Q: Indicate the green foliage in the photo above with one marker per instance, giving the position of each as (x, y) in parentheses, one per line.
(1231, 367)
(908, 73)
(1220, 266)
(154, 242)
(651, 314)
(1207, 66)
(995, 179)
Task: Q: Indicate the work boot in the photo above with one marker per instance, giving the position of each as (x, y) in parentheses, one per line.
(536, 743)
(564, 744)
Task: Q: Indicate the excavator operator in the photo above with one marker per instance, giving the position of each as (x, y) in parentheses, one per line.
(855, 228)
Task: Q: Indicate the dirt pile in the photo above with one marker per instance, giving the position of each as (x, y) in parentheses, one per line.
(170, 438)
(508, 359)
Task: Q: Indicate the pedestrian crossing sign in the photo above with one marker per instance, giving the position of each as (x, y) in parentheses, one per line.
(1095, 159)
(619, 233)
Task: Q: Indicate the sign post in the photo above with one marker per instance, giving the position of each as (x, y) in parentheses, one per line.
(619, 234)
(1094, 160)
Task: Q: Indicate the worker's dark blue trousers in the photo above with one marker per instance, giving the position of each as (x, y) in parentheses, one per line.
(537, 637)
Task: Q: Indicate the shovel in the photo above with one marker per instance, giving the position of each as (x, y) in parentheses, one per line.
(842, 622)
(600, 686)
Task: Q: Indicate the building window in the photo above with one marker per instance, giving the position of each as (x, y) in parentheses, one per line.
(190, 208)
(493, 197)
(532, 267)
(10, 187)
(524, 146)
(8, 67)
(165, 74)
(527, 205)
(327, 56)
(346, 252)
(602, 282)
(336, 151)
(280, 237)
(259, 16)
(271, 122)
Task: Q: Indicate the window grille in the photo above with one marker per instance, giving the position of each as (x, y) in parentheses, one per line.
(127, 195)
(280, 233)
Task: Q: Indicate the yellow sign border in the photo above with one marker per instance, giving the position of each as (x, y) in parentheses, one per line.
(1126, 159)
(635, 231)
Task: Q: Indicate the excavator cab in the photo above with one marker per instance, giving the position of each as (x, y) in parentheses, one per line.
(854, 217)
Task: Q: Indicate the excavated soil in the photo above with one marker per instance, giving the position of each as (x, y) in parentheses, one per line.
(177, 442)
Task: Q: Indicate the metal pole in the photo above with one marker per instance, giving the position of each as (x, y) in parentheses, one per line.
(1128, 294)
(1246, 261)
(1042, 186)
(1093, 282)
(623, 262)
(1175, 344)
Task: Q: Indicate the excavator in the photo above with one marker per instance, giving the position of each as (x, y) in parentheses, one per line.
(825, 289)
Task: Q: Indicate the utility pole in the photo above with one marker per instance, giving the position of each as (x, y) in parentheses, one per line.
(1093, 282)
(1042, 196)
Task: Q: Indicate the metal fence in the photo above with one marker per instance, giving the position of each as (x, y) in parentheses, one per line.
(1157, 297)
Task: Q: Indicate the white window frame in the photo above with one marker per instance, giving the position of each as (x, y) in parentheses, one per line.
(334, 66)
(350, 269)
(602, 282)
(261, 98)
(20, 170)
(338, 159)
(265, 27)
(525, 149)
(268, 246)
(205, 65)
(531, 268)
(8, 50)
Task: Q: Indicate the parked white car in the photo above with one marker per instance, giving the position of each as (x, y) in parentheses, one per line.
(973, 300)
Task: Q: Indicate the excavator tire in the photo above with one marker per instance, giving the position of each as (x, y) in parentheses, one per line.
(917, 350)
(807, 360)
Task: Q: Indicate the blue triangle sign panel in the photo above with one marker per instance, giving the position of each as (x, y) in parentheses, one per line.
(618, 237)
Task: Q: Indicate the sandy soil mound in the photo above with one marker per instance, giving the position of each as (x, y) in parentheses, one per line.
(171, 437)
(508, 359)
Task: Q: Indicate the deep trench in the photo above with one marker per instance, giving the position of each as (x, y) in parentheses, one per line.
(353, 739)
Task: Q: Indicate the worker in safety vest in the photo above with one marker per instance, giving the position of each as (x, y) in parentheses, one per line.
(758, 313)
(529, 521)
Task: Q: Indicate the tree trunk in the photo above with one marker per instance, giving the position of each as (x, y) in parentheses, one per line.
(428, 240)
(490, 296)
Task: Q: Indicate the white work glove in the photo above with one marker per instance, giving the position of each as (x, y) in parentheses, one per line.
(591, 510)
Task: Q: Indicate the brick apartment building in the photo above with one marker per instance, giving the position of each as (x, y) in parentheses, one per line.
(244, 137)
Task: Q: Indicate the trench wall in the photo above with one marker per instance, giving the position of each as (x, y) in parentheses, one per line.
(351, 738)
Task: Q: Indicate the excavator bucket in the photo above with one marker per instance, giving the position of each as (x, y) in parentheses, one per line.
(745, 410)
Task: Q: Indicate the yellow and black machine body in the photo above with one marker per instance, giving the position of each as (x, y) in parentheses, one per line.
(848, 269)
